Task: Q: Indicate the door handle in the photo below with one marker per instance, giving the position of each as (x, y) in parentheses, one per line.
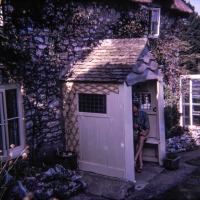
(154, 109)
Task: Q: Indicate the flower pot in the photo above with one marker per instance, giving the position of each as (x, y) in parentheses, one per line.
(68, 159)
(171, 162)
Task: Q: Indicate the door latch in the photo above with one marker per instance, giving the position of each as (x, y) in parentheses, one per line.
(154, 109)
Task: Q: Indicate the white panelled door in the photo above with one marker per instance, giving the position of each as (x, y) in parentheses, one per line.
(146, 94)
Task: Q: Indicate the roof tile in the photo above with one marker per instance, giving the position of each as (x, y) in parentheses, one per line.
(112, 60)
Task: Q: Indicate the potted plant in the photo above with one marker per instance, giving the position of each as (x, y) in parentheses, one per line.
(171, 161)
(68, 159)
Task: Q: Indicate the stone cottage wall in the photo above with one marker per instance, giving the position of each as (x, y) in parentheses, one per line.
(54, 40)
(52, 48)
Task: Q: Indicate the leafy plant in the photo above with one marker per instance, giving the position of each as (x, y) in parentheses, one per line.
(172, 117)
(130, 26)
(7, 166)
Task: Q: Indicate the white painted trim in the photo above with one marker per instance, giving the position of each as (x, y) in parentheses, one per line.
(101, 169)
(190, 104)
(128, 125)
(180, 103)
(161, 124)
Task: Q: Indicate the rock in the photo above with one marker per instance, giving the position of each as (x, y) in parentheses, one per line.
(56, 182)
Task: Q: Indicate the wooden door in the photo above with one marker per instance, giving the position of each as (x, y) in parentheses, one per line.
(146, 94)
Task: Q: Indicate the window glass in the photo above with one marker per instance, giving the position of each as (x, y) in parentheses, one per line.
(196, 99)
(144, 98)
(11, 103)
(92, 103)
(196, 108)
(13, 130)
(12, 116)
(154, 21)
(186, 114)
(196, 120)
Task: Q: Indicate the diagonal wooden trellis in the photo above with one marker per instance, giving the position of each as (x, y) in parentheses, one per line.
(70, 91)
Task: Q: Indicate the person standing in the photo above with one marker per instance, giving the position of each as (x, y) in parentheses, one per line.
(141, 127)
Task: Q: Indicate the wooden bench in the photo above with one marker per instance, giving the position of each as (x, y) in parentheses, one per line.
(151, 150)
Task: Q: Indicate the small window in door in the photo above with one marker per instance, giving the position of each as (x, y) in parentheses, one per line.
(144, 98)
(92, 103)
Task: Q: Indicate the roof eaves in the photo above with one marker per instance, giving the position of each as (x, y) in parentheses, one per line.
(181, 6)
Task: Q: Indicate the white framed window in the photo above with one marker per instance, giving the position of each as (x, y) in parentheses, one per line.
(11, 120)
(190, 100)
(154, 22)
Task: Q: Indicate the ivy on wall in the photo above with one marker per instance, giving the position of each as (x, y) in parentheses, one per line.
(132, 25)
(76, 21)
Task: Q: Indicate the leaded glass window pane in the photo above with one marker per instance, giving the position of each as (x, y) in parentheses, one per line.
(92, 103)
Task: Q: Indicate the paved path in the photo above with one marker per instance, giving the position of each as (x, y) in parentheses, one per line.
(153, 181)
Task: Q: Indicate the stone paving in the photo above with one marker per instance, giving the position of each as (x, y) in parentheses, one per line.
(150, 185)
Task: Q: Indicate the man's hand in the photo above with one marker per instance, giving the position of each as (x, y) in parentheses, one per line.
(135, 126)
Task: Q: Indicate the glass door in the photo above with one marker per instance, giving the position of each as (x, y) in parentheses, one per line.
(190, 100)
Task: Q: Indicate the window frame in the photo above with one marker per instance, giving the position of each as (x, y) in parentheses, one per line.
(150, 34)
(16, 151)
(189, 104)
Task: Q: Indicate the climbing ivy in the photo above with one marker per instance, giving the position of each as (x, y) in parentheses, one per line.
(131, 25)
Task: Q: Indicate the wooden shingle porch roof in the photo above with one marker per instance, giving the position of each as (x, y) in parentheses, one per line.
(112, 60)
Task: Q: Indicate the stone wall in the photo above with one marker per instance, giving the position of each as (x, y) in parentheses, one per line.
(52, 47)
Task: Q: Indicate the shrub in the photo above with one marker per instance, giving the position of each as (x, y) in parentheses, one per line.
(7, 166)
(172, 117)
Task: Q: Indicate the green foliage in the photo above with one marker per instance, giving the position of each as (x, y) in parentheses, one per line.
(10, 51)
(130, 26)
(190, 33)
(7, 166)
(172, 117)
(177, 50)
(47, 14)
